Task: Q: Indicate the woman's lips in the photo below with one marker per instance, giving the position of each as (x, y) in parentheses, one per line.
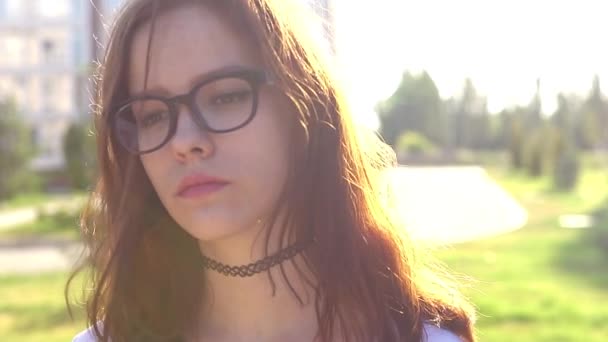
(199, 184)
(200, 190)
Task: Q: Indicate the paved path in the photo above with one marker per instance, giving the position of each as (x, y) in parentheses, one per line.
(34, 257)
(12, 218)
(438, 204)
(454, 204)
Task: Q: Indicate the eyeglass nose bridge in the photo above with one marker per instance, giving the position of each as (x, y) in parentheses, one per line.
(187, 100)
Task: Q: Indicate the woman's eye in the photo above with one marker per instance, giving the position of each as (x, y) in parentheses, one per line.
(232, 97)
(150, 119)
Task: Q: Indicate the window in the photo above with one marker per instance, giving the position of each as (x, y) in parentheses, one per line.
(53, 9)
(78, 51)
(12, 48)
(20, 81)
(48, 96)
(48, 51)
(2, 8)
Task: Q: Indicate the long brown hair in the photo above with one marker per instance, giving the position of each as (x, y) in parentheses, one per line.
(144, 268)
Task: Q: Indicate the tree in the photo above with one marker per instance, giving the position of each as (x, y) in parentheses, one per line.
(15, 150)
(594, 118)
(515, 135)
(562, 117)
(533, 152)
(527, 135)
(414, 106)
(503, 129)
(470, 121)
(79, 151)
(533, 115)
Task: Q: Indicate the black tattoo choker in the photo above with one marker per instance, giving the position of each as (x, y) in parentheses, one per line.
(258, 266)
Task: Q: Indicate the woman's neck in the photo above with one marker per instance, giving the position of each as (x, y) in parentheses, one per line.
(246, 308)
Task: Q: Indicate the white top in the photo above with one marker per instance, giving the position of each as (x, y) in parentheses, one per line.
(431, 333)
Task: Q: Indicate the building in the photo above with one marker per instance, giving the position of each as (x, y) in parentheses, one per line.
(44, 65)
(46, 49)
(325, 9)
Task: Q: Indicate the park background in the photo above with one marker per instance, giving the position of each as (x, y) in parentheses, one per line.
(495, 110)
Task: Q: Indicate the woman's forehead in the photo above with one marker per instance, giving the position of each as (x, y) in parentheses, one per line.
(185, 42)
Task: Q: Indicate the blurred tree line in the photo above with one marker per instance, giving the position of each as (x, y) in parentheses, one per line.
(17, 150)
(417, 122)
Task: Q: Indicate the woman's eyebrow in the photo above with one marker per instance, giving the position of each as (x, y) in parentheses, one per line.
(155, 91)
(218, 72)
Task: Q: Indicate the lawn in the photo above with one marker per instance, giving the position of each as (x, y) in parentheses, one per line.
(60, 225)
(32, 309)
(541, 283)
(37, 199)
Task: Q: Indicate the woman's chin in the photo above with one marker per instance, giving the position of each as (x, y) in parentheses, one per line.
(213, 231)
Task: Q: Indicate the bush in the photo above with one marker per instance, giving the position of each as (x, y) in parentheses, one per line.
(566, 172)
(599, 233)
(601, 237)
(414, 144)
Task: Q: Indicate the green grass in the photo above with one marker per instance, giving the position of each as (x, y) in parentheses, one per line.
(32, 309)
(24, 200)
(36, 199)
(541, 283)
(60, 225)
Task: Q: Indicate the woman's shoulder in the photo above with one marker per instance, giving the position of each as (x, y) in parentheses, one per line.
(433, 333)
(430, 333)
(87, 335)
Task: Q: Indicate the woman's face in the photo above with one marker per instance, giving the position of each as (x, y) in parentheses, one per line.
(238, 176)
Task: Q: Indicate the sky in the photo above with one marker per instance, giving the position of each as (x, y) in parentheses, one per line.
(503, 46)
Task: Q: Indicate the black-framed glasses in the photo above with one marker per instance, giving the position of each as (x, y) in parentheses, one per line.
(223, 102)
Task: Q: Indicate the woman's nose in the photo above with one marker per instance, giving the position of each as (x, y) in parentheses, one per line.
(190, 139)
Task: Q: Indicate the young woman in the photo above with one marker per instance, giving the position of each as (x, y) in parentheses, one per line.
(237, 201)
